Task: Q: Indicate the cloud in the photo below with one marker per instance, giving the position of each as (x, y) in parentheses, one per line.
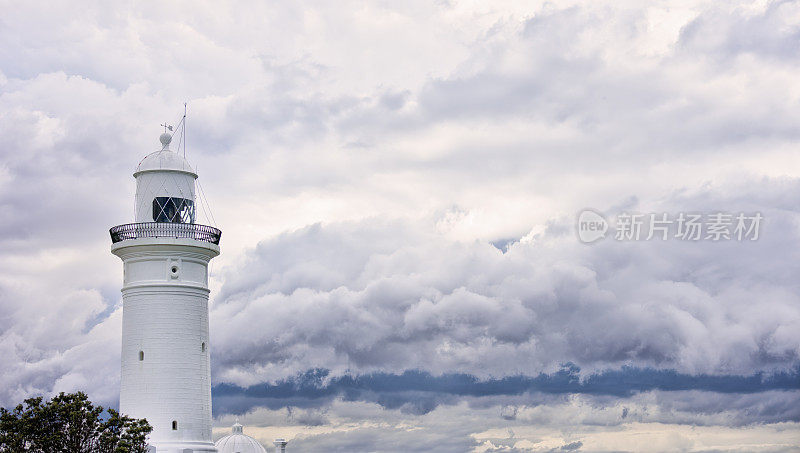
(572, 446)
(383, 296)
(417, 392)
(543, 424)
(739, 32)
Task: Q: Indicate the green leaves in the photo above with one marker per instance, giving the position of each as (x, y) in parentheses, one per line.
(122, 434)
(69, 423)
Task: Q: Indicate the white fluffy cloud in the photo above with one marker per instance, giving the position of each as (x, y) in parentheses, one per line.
(384, 296)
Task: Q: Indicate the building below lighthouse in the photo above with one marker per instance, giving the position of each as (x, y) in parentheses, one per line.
(166, 368)
(239, 442)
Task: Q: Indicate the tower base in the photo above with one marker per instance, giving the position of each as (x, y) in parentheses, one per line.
(182, 447)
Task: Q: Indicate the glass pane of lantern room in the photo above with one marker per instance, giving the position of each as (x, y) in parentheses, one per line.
(164, 209)
(185, 211)
(171, 209)
(158, 209)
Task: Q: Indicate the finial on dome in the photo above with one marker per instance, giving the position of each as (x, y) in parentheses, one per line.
(237, 427)
(166, 137)
(165, 140)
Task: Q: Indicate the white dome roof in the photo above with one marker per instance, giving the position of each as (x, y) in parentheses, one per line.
(238, 442)
(164, 159)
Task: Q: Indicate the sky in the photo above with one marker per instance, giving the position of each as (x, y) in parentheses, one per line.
(398, 185)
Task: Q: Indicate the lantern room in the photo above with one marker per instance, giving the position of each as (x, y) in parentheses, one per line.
(165, 187)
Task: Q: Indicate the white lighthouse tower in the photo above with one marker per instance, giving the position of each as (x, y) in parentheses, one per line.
(166, 373)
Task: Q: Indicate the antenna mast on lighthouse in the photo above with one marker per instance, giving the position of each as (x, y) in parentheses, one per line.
(183, 131)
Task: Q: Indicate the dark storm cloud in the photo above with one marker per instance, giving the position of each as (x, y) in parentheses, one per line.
(572, 446)
(419, 392)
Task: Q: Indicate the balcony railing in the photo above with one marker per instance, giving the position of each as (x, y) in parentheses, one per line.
(165, 230)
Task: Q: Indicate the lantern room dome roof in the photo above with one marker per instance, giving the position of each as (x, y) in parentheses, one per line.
(164, 159)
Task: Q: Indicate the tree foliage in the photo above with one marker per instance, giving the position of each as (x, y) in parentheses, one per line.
(69, 423)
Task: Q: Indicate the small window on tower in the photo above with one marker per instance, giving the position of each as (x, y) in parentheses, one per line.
(141, 356)
(203, 347)
(174, 425)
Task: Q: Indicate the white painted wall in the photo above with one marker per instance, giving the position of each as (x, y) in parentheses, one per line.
(165, 315)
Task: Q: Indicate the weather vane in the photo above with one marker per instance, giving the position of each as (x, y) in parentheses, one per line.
(166, 126)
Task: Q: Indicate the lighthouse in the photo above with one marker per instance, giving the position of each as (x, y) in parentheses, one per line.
(166, 372)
